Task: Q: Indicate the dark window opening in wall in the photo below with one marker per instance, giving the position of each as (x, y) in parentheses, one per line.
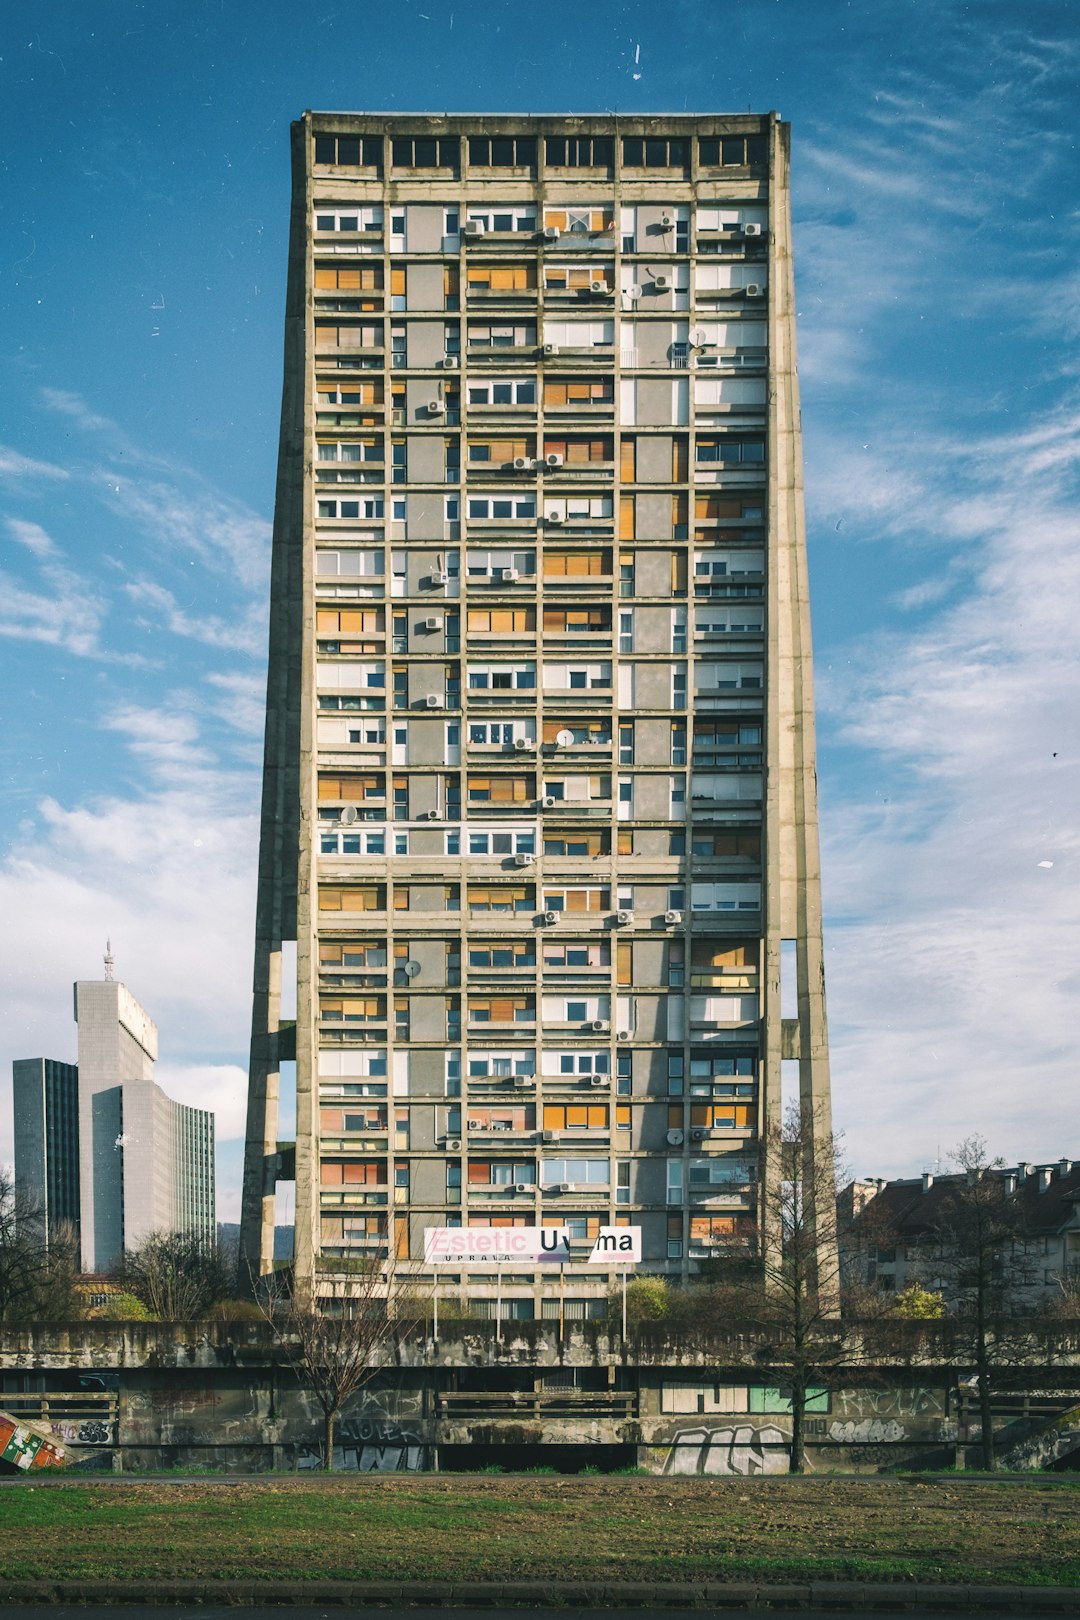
(579, 151)
(731, 450)
(655, 152)
(349, 151)
(425, 152)
(727, 151)
(502, 151)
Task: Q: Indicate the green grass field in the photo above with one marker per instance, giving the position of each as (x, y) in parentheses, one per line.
(541, 1528)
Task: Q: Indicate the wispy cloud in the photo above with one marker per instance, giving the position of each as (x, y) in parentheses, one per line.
(15, 467)
(246, 632)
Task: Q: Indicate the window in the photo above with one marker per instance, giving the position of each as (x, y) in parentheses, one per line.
(505, 789)
(582, 219)
(502, 678)
(502, 1009)
(577, 621)
(655, 152)
(577, 278)
(575, 1117)
(580, 392)
(501, 898)
(502, 621)
(504, 217)
(579, 151)
(338, 217)
(349, 151)
(727, 151)
(591, 564)
(577, 451)
(370, 507)
(578, 1172)
(577, 900)
(425, 152)
(502, 507)
(501, 277)
(731, 450)
(502, 151)
(502, 335)
(504, 391)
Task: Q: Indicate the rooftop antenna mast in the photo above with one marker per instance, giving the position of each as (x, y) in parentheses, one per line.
(109, 962)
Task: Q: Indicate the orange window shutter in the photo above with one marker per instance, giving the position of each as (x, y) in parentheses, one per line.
(598, 1117)
(622, 1116)
(625, 961)
(348, 279)
(626, 517)
(397, 280)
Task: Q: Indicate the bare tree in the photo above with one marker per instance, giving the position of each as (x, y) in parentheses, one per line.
(178, 1276)
(795, 1296)
(337, 1343)
(978, 1232)
(37, 1280)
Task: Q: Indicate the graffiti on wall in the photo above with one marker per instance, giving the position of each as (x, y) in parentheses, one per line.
(739, 1449)
(373, 1445)
(871, 1431)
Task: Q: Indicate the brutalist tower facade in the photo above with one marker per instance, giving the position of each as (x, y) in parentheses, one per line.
(539, 797)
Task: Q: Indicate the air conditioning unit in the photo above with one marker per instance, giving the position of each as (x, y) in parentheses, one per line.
(549, 1136)
(474, 227)
(428, 815)
(553, 517)
(622, 917)
(453, 1144)
(698, 1134)
(450, 362)
(522, 745)
(436, 407)
(674, 1138)
(523, 860)
(751, 230)
(667, 221)
(433, 699)
(549, 801)
(553, 460)
(598, 1025)
(522, 463)
(562, 1186)
(507, 575)
(551, 233)
(623, 1035)
(549, 918)
(551, 349)
(673, 916)
(599, 1080)
(754, 289)
(524, 1187)
(439, 579)
(661, 283)
(599, 287)
(430, 624)
(521, 1080)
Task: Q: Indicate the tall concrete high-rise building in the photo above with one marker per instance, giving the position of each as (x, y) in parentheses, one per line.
(98, 1144)
(539, 805)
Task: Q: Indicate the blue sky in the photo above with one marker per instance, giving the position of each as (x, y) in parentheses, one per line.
(142, 276)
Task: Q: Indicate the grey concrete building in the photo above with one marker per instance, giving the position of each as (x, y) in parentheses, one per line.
(539, 806)
(99, 1144)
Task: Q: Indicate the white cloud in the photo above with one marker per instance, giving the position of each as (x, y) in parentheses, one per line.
(32, 536)
(220, 1087)
(245, 632)
(65, 403)
(169, 875)
(17, 467)
(952, 951)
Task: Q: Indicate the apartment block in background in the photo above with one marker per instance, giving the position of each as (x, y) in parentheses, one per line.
(539, 804)
(98, 1144)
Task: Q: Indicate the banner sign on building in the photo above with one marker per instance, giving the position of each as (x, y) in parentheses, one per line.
(616, 1245)
(497, 1246)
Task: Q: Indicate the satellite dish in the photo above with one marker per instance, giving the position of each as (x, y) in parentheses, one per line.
(349, 815)
(698, 336)
(564, 738)
(412, 969)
